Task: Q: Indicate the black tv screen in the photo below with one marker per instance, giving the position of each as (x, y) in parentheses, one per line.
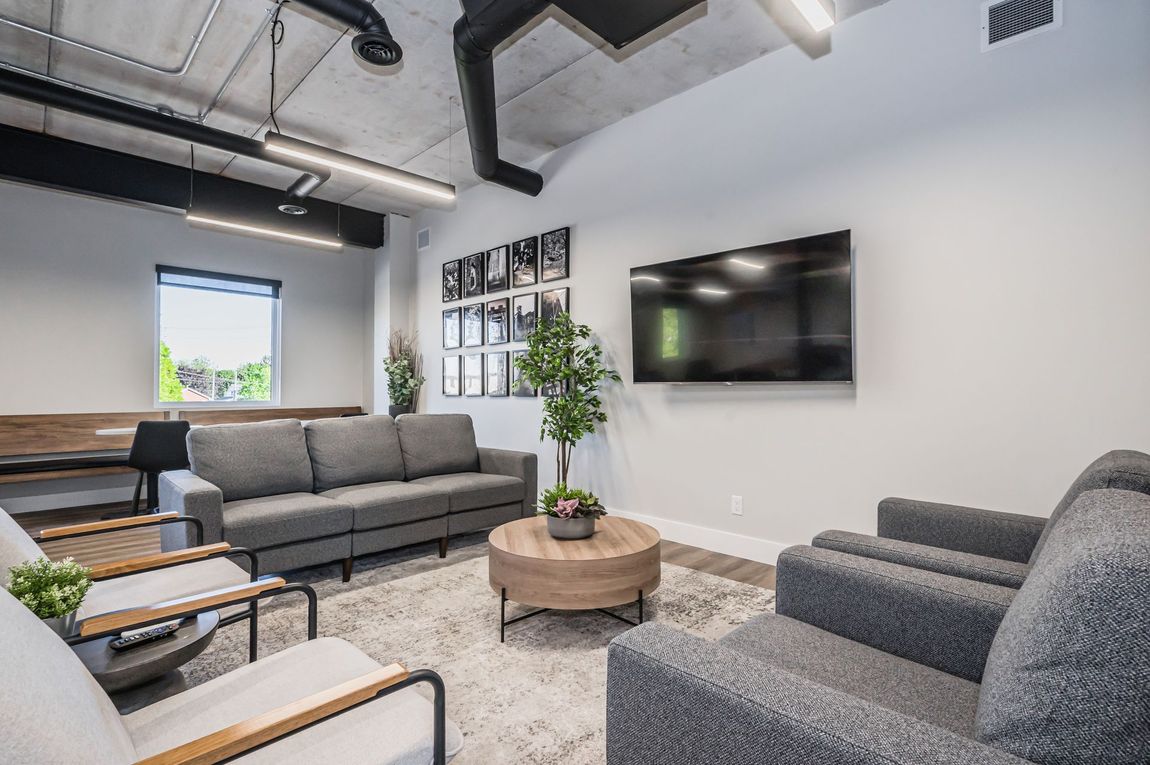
(776, 313)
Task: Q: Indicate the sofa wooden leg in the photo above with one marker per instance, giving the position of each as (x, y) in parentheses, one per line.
(347, 569)
(443, 547)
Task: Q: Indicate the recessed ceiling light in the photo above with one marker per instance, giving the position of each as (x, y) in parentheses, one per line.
(747, 264)
(264, 231)
(816, 13)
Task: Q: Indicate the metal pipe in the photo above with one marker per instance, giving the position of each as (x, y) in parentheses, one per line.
(178, 71)
(374, 43)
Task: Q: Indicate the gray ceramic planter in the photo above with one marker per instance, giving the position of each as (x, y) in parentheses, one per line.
(64, 626)
(570, 528)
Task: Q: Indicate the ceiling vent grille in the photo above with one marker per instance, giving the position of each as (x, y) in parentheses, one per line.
(1008, 21)
(423, 239)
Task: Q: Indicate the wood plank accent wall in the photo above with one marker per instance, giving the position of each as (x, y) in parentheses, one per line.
(48, 475)
(226, 416)
(29, 434)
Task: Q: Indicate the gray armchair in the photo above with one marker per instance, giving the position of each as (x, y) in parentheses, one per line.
(983, 545)
(1063, 681)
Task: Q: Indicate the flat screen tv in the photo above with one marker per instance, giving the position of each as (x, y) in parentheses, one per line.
(776, 313)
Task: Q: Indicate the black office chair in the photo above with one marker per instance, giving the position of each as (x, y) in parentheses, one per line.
(159, 445)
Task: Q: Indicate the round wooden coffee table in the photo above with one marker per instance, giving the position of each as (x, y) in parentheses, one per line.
(617, 566)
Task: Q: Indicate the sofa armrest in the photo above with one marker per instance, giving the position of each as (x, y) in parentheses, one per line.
(964, 529)
(673, 698)
(522, 465)
(980, 568)
(941, 621)
(185, 493)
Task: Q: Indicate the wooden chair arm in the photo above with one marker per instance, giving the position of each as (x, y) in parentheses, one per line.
(258, 730)
(108, 525)
(204, 601)
(158, 560)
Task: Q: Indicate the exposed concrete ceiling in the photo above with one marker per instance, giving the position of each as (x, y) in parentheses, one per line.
(555, 80)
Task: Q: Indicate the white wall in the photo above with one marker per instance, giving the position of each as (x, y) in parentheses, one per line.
(999, 208)
(77, 312)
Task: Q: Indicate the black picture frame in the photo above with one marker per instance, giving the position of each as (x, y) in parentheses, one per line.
(473, 325)
(498, 321)
(524, 316)
(473, 374)
(520, 388)
(555, 257)
(554, 302)
(525, 262)
(452, 328)
(452, 280)
(497, 373)
(498, 273)
(452, 379)
(474, 275)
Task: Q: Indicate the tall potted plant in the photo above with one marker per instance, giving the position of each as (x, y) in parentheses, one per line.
(569, 368)
(404, 369)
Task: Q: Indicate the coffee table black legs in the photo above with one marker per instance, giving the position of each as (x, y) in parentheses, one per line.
(504, 622)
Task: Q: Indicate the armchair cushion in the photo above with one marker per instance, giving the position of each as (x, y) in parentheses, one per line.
(164, 584)
(471, 491)
(393, 729)
(257, 459)
(16, 546)
(435, 444)
(389, 503)
(352, 450)
(269, 521)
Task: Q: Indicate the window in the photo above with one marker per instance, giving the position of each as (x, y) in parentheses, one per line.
(217, 338)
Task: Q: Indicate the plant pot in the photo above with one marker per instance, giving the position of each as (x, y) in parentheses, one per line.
(570, 528)
(397, 409)
(64, 626)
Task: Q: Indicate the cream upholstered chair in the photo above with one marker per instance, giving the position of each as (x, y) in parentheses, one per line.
(320, 701)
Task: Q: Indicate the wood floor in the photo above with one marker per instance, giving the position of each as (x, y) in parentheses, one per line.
(127, 544)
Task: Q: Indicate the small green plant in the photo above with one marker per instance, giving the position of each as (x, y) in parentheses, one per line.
(404, 368)
(563, 502)
(50, 589)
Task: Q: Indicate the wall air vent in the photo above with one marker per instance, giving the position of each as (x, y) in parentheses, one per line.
(1008, 21)
(423, 239)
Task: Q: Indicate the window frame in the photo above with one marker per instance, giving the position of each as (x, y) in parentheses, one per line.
(277, 360)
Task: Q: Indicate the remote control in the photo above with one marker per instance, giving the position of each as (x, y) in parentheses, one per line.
(143, 637)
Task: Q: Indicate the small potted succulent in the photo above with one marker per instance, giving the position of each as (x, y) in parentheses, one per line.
(571, 513)
(53, 590)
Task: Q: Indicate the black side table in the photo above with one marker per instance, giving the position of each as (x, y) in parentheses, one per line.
(141, 676)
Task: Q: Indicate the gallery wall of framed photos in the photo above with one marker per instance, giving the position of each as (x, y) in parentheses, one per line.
(523, 269)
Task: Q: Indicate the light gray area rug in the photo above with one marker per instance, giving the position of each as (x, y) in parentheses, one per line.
(538, 698)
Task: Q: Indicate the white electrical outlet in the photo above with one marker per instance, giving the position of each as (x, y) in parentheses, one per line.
(736, 504)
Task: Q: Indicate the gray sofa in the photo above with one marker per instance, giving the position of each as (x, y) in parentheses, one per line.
(871, 662)
(302, 495)
(984, 545)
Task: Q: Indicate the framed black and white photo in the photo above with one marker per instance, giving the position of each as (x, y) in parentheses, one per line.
(519, 385)
(524, 312)
(554, 302)
(473, 275)
(452, 280)
(451, 375)
(451, 328)
(497, 374)
(497, 276)
(473, 325)
(556, 254)
(525, 262)
(473, 374)
(497, 331)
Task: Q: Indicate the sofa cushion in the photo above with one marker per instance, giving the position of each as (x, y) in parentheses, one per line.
(470, 491)
(436, 444)
(257, 459)
(268, 521)
(16, 546)
(390, 503)
(1120, 469)
(856, 668)
(351, 450)
(1066, 677)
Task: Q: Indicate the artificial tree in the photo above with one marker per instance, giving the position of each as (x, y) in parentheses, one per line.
(569, 369)
(404, 368)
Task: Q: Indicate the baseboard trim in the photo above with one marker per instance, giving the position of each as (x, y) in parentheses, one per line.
(726, 542)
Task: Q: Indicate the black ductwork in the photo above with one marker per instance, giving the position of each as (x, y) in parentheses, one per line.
(374, 43)
(487, 23)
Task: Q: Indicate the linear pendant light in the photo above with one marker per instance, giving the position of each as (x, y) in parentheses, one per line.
(815, 13)
(277, 143)
(264, 231)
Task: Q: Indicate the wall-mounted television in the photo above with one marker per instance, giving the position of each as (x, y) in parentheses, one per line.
(775, 313)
